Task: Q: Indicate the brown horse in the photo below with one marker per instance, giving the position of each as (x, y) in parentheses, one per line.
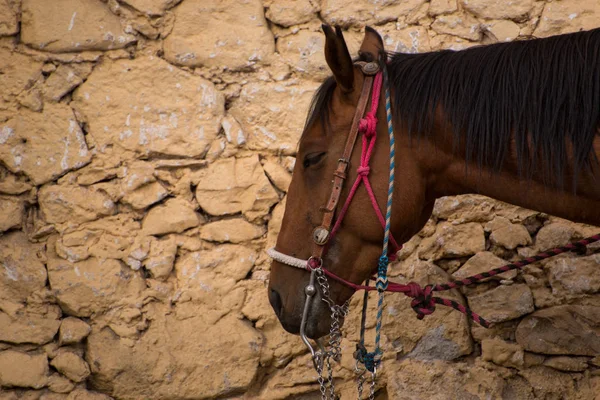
(518, 122)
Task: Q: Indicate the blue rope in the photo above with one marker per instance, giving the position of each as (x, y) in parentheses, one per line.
(372, 359)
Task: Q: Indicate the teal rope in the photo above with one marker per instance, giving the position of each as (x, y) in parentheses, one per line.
(372, 360)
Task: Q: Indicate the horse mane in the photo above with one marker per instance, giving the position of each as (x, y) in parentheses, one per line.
(544, 94)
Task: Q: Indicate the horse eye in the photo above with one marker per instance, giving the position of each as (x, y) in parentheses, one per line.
(312, 159)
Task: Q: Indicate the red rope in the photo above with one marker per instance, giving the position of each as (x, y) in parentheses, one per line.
(424, 302)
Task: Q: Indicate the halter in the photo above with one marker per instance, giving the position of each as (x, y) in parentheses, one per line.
(374, 77)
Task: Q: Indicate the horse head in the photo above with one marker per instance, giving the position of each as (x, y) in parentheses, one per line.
(350, 250)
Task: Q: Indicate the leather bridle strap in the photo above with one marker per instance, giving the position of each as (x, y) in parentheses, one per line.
(321, 234)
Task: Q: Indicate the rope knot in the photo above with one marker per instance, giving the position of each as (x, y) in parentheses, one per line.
(368, 125)
(423, 302)
(363, 171)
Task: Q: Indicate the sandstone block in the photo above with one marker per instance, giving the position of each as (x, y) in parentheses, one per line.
(19, 369)
(83, 394)
(214, 271)
(273, 114)
(574, 276)
(483, 262)
(62, 81)
(219, 33)
(442, 379)
(43, 145)
(176, 215)
(502, 353)
(567, 364)
(503, 303)
(13, 184)
(71, 365)
(453, 241)
(19, 73)
(233, 131)
(439, 7)
(186, 349)
(22, 271)
(278, 175)
(413, 39)
(27, 328)
(8, 17)
(235, 230)
(71, 25)
(73, 204)
(561, 330)
(178, 115)
(462, 25)
(93, 285)
(11, 212)
(502, 30)
(152, 7)
(59, 384)
(364, 12)
(291, 12)
(493, 9)
(233, 185)
(161, 257)
(506, 234)
(73, 330)
(553, 235)
(464, 208)
(146, 195)
(303, 51)
(567, 16)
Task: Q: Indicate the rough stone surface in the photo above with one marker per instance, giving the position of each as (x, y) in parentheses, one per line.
(231, 230)
(8, 17)
(22, 270)
(11, 212)
(503, 303)
(71, 365)
(461, 25)
(291, 12)
(483, 262)
(574, 276)
(74, 204)
(73, 330)
(183, 124)
(567, 16)
(452, 241)
(19, 369)
(498, 10)
(175, 215)
(71, 25)
(92, 285)
(235, 185)
(43, 145)
(561, 330)
(164, 349)
(23, 328)
(273, 115)
(219, 33)
(152, 7)
(365, 12)
(508, 235)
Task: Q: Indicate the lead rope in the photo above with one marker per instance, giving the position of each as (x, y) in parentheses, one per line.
(372, 360)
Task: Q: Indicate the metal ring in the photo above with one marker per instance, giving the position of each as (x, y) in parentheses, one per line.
(370, 68)
(317, 260)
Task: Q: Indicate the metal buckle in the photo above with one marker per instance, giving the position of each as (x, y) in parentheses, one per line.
(370, 68)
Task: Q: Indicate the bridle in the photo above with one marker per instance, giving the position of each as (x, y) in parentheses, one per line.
(374, 77)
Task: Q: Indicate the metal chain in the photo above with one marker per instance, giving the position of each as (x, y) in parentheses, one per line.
(334, 352)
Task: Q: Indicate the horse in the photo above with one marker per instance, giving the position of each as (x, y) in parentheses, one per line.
(518, 122)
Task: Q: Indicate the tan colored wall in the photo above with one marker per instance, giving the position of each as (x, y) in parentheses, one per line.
(145, 151)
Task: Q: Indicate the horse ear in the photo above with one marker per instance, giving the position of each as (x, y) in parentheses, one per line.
(372, 45)
(338, 58)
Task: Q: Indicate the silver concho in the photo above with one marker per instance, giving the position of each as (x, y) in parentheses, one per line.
(370, 68)
(320, 235)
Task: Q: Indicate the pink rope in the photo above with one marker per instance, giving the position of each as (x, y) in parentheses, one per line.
(368, 127)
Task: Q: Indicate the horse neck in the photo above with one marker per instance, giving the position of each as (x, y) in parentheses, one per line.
(445, 172)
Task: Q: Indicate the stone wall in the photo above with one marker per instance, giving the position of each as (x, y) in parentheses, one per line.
(145, 151)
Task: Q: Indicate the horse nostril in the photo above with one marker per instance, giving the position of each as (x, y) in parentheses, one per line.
(275, 300)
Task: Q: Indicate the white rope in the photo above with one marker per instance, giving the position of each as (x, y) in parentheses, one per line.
(288, 260)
